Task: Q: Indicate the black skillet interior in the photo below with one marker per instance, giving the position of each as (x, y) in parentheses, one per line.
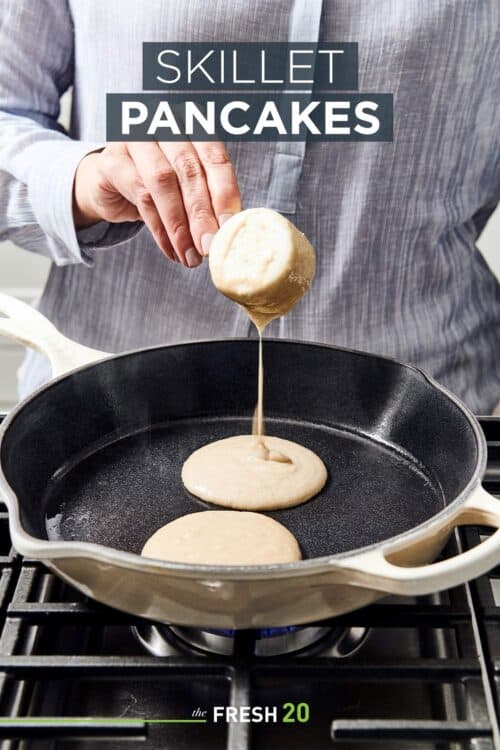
(97, 456)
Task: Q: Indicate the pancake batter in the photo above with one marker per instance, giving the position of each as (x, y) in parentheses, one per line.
(223, 538)
(261, 261)
(254, 473)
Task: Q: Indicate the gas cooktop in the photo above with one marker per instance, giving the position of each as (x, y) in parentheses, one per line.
(404, 673)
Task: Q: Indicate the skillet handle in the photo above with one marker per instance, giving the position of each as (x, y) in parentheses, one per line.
(374, 570)
(29, 327)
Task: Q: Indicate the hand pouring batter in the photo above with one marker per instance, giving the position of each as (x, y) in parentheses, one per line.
(261, 261)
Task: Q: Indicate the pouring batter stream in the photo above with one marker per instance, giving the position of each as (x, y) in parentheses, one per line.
(261, 261)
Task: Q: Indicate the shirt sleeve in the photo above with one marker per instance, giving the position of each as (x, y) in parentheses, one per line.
(38, 160)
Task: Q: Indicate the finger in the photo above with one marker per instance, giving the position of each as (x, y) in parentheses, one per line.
(221, 179)
(115, 207)
(195, 194)
(110, 204)
(160, 179)
(125, 211)
(121, 171)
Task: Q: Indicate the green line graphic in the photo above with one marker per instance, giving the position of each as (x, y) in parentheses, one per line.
(97, 720)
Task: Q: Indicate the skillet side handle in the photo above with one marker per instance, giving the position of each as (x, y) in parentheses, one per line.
(374, 570)
(29, 327)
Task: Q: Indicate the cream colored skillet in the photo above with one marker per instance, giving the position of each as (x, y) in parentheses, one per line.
(91, 464)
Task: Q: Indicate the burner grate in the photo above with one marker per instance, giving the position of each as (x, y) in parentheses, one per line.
(427, 677)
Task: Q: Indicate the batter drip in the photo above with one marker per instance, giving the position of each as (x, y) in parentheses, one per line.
(261, 261)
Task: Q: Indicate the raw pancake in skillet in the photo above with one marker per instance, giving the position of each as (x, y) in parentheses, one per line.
(120, 494)
(251, 472)
(231, 538)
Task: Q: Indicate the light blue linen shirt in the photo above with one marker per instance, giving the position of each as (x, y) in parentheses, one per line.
(394, 224)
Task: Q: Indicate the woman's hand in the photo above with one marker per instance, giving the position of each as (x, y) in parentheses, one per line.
(182, 192)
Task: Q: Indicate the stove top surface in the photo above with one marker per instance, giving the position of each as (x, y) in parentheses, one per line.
(73, 674)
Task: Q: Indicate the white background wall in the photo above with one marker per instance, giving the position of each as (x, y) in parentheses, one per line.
(23, 274)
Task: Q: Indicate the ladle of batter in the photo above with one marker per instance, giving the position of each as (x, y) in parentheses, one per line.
(261, 261)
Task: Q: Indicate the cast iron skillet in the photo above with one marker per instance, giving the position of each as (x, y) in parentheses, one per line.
(91, 464)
